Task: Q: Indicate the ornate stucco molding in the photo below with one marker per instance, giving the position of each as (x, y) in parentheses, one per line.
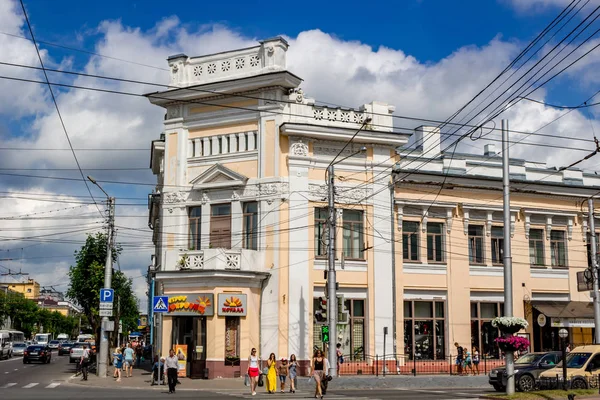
(342, 194)
(175, 197)
(299, 148)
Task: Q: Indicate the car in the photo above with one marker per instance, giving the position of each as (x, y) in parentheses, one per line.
(65, 348)
(527, 371)
(77, 350)
(18, 349)
(37, 352)
(583, 366)
(53, 344)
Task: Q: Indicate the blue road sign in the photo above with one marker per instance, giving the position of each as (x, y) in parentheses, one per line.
(107, 295)
(160, 304)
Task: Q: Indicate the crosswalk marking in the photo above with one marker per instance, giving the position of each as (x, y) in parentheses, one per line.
(8, 385)
(29, 386)
(53, 385)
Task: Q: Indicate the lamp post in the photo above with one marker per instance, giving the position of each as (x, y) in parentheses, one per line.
(563, 333)
(103, 355)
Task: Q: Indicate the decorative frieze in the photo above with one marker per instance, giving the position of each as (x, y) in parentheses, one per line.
(175, 197)
(299, 148)
(342, 194)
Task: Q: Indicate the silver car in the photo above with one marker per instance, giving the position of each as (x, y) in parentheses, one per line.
(18, 349)
(53, 344)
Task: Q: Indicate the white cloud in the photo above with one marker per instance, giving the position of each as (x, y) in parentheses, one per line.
(536, 5)
(343, 72)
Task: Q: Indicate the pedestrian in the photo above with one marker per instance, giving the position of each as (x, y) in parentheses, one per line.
(171, 364)
(272, 374)
(253, 371)
(468, 363)
(459, 358)
(568, 349)
(119, 365)
(292, 368)
(476, 359)
(138, 354)
(157, 369)
(129, 354)
(85, 359)
(340, 357)
(317, 365)
(283, 372)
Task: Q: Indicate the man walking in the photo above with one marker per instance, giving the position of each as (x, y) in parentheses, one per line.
(85, 360)
(128, 361)
(171, 366)
(460, 357)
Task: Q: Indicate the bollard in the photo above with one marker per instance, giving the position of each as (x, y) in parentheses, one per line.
(414, 366)
(376, 365)
(450, 357)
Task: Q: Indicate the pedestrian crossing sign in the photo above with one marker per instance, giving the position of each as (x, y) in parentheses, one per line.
(160, 304)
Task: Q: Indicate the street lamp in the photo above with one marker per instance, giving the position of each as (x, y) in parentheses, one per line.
(563, 334)
(103, 356)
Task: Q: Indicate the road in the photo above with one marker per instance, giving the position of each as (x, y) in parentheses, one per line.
(51, 382)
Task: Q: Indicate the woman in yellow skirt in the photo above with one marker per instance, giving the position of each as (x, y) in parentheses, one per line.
(272, 374)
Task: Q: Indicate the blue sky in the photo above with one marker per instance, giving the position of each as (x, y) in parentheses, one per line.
(427, 58)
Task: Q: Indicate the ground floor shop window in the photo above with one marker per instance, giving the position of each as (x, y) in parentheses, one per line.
(483, 334)
(232, 340)
(424, 330)
(191, 332)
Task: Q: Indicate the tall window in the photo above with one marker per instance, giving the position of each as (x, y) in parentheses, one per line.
(558, 248)
(435, 242)
(424, 332)
(321, 240)
(353, 235)
(220, 226)
(251, 225)
(194, 226)
(483, 333)
(536, 247)
(232, 341)
(410, 240)
(476, 244)
(497, 244)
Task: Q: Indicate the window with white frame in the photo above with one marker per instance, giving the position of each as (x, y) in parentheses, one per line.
(353, 243)
(435, 242)
(497, 244)
(536, 247)
(410, 240)
(476, 246)
(558, 248)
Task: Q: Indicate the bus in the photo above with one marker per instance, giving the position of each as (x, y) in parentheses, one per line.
(16, 337)
(42, 338)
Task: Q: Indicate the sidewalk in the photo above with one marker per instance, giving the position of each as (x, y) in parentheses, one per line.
(141, 380)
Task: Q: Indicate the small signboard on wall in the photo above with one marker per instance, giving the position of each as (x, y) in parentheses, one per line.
(191, 304)
(232, 305)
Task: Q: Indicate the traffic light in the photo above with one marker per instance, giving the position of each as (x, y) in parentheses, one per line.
(325, 333)
(321, 310)
(343, 314)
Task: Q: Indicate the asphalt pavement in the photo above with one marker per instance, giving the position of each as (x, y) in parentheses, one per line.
(55, 381)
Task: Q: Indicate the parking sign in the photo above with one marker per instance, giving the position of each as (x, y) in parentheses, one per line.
(107, 295)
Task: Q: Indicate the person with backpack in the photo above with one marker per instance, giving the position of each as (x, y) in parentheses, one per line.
(85, 360)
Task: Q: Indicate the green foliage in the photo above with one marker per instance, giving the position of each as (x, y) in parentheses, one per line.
(27, 317)
(87, 278)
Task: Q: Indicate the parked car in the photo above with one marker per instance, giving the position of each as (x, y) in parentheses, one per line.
(5, 348)
(527, 371)
(18, 349)
(583, 364)
(37, 352)
(53, 344)
(65, 348)
(77, 351)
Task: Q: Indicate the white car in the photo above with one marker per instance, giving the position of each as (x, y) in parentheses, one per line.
(18, 349)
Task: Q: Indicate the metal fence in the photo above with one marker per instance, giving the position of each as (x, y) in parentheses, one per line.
(401, 364)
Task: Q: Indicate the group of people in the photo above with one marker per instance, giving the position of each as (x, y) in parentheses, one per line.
(280, 370)
(467, 361)
(123, 360)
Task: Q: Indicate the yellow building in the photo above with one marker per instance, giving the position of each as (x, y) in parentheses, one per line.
(239, 218)
(29, 289)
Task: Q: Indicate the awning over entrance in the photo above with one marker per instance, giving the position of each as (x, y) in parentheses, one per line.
(565, 309)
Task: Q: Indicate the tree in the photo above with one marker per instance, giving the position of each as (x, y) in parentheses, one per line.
(87, 278)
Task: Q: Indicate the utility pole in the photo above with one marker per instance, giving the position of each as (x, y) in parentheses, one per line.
(594, 258)
(507, 259)
(331, 279)
(103, 359)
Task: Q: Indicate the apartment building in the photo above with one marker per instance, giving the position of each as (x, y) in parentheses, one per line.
(240, 226)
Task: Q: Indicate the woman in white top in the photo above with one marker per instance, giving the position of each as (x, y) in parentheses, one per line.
(253, 371)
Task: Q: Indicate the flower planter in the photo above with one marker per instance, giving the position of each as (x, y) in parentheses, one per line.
(511, 330)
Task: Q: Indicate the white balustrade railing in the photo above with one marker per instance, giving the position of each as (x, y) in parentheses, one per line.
(221, 259)
(222, 144)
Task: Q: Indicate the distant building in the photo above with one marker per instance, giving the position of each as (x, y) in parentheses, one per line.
(51, 295)
(29, 289)
(64, 307)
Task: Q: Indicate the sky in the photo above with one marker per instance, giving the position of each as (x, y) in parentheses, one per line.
(426, 57)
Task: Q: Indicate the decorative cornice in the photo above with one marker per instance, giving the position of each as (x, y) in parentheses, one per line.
(342, 194)
(175, 197)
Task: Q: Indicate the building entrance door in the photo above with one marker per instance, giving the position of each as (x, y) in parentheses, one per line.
(191, 331)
